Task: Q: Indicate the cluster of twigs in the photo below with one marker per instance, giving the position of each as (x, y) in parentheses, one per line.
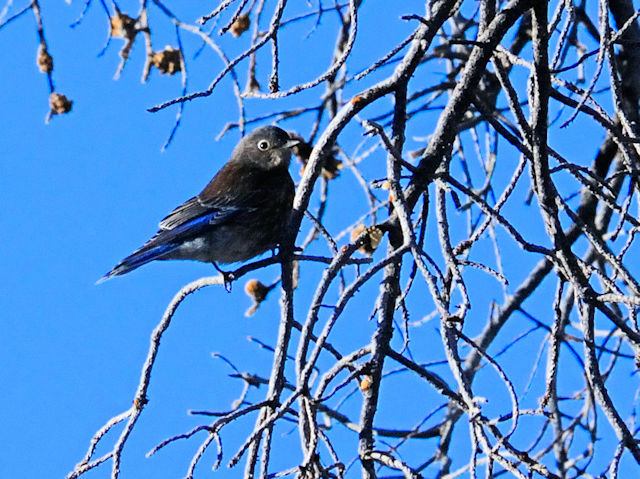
(58, 103)
(510, 73)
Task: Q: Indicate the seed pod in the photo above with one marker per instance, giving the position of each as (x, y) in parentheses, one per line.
(167, 61)
(257, 292)
(241, 25)
(331, 166)
(44, 60)
(59, 104)
(372, 238)
(123, 26)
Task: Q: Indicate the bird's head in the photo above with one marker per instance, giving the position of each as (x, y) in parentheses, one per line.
(266, 148)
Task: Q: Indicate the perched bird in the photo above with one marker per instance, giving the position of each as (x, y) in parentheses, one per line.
(241, 213)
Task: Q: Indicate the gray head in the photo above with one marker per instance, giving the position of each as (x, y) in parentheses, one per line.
(266, 147)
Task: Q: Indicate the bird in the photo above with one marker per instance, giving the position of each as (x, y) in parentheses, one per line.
(242, 212)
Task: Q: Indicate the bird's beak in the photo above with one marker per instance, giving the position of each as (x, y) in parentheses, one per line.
(291, 143)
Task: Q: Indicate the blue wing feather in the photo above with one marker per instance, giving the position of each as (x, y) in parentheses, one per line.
(168, 240)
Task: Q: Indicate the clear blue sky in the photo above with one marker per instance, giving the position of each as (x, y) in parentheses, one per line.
(83, 192)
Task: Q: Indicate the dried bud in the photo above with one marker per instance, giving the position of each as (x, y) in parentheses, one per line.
(372, 238)
(123, 26)
(59, 104)
(44, 60)
(365, 383)
(140, 403)
(303, 149)
(330, 164)
(257, 292)
(356, 99)
(241, 25)
(167, 61)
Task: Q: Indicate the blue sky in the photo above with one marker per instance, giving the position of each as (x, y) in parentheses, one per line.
(84, 191)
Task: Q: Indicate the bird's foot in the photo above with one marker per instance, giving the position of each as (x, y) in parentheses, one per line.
(227, 277)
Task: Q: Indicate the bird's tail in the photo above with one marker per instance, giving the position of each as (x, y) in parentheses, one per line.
(138, 258)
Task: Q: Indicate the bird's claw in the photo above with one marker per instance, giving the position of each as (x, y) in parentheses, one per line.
(227, 278)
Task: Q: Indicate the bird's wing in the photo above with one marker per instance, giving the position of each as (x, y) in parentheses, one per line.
(236, 190)
(220, 200)
(195, 212)
(187, 211)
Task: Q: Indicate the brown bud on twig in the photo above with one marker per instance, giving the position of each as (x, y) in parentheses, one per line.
(59, 104)
(331, 166)
(257, 292)
(167, 61)
(365, 383)
(44, 60)
(123, 26)
(372, 238)
(140, 403)
(241, 25)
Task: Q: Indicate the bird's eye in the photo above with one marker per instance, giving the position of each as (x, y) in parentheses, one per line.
(263, 145)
